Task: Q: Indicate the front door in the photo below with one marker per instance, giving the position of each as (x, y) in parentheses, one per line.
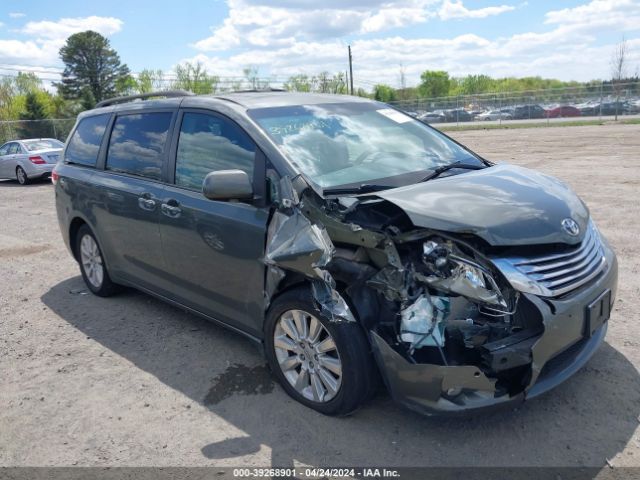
(4, 161)
(214, 249)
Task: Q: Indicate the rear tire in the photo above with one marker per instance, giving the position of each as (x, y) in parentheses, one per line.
(308, 368)
(21, 176)
(92, 266)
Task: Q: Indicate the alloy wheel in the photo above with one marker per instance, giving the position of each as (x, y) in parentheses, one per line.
(22, 177)
(91, 261)
(307, 355)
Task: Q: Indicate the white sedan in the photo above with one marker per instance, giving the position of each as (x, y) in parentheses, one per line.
(493, 115)
(26, 160)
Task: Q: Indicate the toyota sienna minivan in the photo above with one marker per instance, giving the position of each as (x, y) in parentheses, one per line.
(352, 242)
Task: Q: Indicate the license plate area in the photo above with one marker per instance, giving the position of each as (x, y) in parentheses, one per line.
(597, 312)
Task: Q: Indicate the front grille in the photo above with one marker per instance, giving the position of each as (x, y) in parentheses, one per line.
(561, 273)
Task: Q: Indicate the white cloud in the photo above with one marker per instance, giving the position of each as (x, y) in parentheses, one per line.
(455, 9)
(258, 23)
(17, 15)
(621, 15)
(46, 37)
(68, 26)
(272, 39)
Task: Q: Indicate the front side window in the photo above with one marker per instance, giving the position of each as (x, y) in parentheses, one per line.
(358, 142)
(84, 144)
(137, 144)
(209, 143)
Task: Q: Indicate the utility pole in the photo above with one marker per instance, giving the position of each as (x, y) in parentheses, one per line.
(350, 70)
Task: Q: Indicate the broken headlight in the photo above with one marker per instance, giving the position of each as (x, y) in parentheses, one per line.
(450, 270)
(459, 296)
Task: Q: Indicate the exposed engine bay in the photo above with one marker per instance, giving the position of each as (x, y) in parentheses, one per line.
(433, 298)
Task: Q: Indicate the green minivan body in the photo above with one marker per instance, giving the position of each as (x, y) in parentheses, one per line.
(356, 245)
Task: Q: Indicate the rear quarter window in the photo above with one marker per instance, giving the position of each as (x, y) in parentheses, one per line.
(84, 144)
(137, 144)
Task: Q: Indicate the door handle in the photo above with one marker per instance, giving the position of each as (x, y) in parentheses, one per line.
(146, 203)
(171, 208)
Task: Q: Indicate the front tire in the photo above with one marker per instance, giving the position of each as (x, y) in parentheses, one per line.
(21, 176)
(92, 266)
(324, 365)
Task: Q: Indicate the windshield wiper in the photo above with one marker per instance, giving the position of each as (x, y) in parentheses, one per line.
(363, 188)
(440, 170)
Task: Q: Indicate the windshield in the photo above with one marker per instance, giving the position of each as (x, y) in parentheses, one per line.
(354, 143)
(42, 144)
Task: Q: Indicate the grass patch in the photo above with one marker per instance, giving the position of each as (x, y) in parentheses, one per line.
(509, 126)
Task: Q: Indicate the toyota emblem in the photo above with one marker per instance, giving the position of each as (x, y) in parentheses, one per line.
(571, 227)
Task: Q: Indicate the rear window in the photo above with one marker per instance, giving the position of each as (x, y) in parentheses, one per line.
(84, 144)
(137, 144)
(42, 144)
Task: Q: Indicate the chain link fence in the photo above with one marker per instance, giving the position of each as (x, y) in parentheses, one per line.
(50, 128)
(595, 100)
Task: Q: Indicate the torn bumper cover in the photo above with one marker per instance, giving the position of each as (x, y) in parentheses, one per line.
(571, 337)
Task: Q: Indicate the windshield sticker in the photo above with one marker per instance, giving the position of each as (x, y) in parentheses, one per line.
(394, 115)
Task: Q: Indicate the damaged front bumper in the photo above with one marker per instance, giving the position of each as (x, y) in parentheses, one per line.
(572, 334)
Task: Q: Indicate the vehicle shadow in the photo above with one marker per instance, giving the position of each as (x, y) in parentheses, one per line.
(32, 183)
(584, 422)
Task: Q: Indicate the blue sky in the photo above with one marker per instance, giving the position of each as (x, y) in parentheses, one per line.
(571, 39)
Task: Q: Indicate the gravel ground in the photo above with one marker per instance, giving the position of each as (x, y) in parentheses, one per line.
(132, 381)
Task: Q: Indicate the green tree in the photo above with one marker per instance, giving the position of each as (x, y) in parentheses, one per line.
(27, 82)
(473, 84)
(434, 83)
(327, 83)
(34, 114)
(90, 62)
(126, 85)
(299, 83)
(194, 78)
(150, 80)
(87, 100)
(384, 93)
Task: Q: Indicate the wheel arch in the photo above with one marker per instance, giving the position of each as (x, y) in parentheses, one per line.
(293, 280)
(74, 227)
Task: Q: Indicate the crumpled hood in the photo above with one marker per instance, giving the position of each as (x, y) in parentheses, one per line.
(503, 204)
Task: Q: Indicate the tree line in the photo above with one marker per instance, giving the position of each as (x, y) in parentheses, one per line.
(94, 72)
(438, 84)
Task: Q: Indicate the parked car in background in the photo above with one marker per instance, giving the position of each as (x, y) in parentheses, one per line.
(617, 108)
(457, 115)
(26, 160)
(589, 109)
(563, 111)
(432, 117)
(522, 112)
(494, 115)
(623, 107)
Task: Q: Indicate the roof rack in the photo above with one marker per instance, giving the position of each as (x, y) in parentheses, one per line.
(257, 90)
(142, 96)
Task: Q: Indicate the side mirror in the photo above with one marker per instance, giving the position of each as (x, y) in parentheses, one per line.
(227, 185)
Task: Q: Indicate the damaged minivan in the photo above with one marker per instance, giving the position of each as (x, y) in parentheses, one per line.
(353, 243)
